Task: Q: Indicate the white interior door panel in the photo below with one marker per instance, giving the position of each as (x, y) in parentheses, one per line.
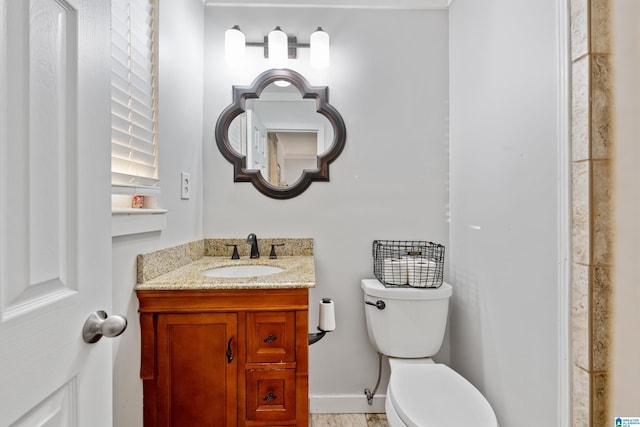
(54, 211)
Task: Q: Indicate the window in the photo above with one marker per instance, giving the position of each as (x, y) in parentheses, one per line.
(133, 102)
(134, 147)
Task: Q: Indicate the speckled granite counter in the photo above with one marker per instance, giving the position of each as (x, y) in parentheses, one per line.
(180, 267)
(299, 272)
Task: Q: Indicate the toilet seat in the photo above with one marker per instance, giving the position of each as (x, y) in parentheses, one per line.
(434, 395)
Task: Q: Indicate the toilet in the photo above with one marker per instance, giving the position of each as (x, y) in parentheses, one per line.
(407, 325)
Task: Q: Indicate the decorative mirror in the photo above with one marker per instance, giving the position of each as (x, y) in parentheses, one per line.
(280, 133)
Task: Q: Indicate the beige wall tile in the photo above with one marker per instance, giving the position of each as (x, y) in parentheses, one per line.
(601, 318)
(600, 29)
(579, 28)
(580, 398)
(581, 210)
(601, 101)
(600, 395)
(580, 313)
(602, 212)
(580, 110)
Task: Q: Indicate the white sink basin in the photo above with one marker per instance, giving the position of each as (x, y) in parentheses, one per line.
(235, 271)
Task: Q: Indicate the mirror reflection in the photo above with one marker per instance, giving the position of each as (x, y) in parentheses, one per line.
(281, 134)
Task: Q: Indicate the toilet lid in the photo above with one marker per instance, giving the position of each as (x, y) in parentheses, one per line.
(434, 395)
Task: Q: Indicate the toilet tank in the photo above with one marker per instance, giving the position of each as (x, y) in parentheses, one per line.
(412, 322)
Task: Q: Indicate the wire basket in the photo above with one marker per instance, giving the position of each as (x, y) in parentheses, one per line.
(406, 263)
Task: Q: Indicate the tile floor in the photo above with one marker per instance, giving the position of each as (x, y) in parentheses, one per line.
(348, 420)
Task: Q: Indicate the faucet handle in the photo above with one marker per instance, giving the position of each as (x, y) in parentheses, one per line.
(273, 255)
(235, 251)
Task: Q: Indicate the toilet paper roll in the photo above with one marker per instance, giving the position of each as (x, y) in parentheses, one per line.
(421, 272)
(327, 315)
(395, 271)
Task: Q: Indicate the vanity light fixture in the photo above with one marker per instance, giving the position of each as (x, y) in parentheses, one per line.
(234, 46)
(319, 49)
(278, 47)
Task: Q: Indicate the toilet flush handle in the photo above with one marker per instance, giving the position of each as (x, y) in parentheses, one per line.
(380, 305)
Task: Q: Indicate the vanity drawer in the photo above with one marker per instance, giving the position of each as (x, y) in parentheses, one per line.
(271, 394)
(271, 337)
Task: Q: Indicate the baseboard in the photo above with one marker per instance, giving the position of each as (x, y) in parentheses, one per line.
(345, 404)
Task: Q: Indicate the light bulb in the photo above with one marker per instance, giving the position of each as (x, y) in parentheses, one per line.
(278, 48)
(234, 46)
(319, 42)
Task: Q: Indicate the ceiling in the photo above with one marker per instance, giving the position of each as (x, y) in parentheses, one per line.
(346, 4)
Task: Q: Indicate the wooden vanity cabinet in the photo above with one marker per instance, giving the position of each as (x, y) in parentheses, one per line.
(224, 358)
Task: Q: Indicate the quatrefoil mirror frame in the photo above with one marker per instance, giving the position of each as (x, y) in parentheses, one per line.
(239, 161)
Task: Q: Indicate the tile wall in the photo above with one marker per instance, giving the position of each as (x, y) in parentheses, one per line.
(592, 213)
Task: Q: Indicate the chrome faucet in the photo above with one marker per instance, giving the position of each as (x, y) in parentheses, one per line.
(253, 241)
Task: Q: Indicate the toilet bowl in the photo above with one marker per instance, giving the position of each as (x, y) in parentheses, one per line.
(426, 394)
(408, 325)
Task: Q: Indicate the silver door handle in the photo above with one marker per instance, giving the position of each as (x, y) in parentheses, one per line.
(99, 324)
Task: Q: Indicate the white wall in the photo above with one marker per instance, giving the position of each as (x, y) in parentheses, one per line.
(389, 80)
(625, 379)
(180, 149)
(504, 205)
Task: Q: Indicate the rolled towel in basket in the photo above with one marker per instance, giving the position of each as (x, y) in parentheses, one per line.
(394, 271)
(421, 272)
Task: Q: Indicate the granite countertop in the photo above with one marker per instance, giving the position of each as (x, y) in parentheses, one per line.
(299, 272)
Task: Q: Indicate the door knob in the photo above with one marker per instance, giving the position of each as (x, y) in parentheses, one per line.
(99, 324)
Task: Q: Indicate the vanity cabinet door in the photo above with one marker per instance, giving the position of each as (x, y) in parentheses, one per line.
(197, 370)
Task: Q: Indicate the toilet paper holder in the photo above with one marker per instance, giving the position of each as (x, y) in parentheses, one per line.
(317, 336)
(326, 320)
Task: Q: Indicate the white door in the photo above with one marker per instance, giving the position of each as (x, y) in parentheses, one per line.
(55, 244)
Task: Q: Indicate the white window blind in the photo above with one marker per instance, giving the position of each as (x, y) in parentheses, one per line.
(133, 99)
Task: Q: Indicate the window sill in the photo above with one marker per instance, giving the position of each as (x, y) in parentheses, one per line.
(126, 221)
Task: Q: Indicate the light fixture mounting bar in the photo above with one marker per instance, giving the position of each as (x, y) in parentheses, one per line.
(292, 44)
